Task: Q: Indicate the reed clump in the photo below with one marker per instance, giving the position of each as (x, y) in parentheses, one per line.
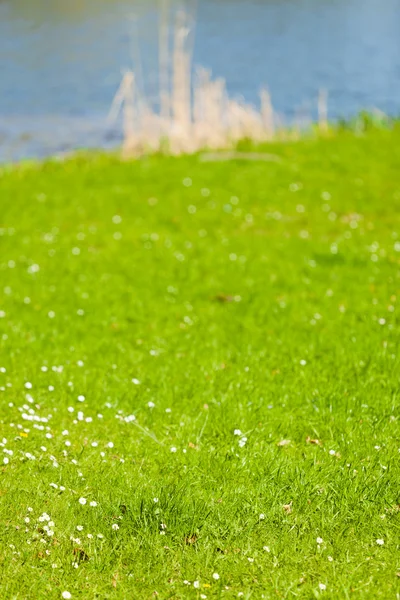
(194, 111)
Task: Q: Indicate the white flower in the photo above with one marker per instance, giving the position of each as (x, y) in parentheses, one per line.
(155, 500)
(6, 460)
(81, 398)
(320, 540)
(196, 584)
(28, 385)
(262, 517)
(266, 549)
(322, 586)
(79, 527)
(330, 558)
(215, 576)
(75, 540)
(82, 501)
(135, 381)
(173, 449)
(89, 536)
(93, 503)
(100, 536)
(27, 519)
(110, 445)
(380, 542)
(237, 432)
(151, 404)
(66, 595)
(115, 527)
(332, 452)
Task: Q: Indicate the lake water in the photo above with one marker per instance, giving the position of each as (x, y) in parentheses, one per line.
(61, 62)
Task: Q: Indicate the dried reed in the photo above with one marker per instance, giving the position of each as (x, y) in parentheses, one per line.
(193, 115)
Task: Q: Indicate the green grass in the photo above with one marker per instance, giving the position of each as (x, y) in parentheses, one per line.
(241, 295)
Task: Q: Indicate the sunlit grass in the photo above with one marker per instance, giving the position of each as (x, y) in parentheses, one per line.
(199, 375)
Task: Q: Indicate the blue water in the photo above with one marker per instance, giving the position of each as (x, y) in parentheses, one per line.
(61, 62)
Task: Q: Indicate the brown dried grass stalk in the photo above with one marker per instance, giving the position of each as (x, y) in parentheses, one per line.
(194, 115)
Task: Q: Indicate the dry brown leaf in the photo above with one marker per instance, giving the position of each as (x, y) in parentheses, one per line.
(81, 555)
(223, 298)
(315, 441)
(287, 508)
(115, 580)
(190, 540)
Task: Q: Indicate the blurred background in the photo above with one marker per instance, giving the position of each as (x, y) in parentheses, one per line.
(61, 62)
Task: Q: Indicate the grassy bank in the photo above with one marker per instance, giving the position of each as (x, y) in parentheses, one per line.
(200, 375)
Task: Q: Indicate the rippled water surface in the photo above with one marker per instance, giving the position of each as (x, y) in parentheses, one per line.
(61, 62)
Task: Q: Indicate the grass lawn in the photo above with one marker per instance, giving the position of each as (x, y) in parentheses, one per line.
(200, 371)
